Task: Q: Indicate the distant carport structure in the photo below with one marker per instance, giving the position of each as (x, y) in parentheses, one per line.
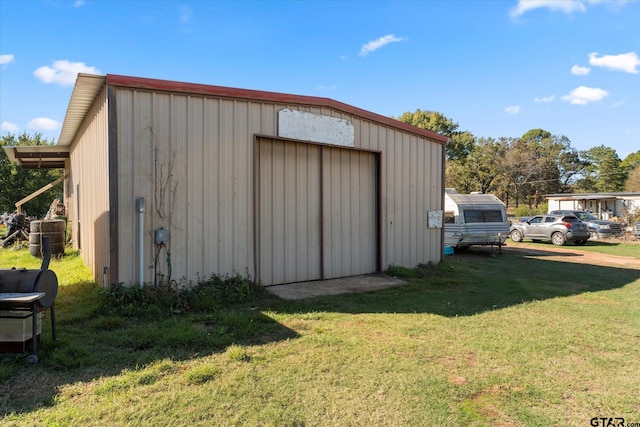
(176, 181)
(602, 205)
(38, 157)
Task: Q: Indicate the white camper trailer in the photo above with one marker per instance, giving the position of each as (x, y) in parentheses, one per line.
(474, 219)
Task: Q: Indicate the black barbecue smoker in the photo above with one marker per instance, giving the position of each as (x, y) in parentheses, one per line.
(25, 293)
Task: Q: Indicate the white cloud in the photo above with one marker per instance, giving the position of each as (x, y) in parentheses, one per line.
(377, 44)
(44, 123)
(583, 95)
(628, 62)
(566, 6)
(9, 127)
(63, 72)
(6, 59)
(78, 3)
(580, 71)
(513, 110)
(544, 99)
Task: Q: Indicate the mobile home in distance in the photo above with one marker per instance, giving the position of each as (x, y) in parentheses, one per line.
(474, 219)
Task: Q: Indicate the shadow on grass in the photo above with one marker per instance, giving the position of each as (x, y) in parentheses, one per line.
(93, 344)
(474, 281)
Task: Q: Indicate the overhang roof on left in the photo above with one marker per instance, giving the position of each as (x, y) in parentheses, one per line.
(38, 157)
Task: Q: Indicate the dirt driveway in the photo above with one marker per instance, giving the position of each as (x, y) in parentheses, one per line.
(570, 253)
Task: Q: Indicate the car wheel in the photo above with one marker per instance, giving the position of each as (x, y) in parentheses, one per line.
(516, 236)
(580, 242)
(558, 238)
(593, 235)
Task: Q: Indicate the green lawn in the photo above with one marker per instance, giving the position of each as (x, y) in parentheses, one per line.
(607, 246)
(477, 340)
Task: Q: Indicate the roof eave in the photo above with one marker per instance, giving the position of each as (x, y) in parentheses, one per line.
(37, 156)
(257, 95)
(84, 93)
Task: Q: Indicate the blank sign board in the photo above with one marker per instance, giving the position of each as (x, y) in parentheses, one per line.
(315, 127)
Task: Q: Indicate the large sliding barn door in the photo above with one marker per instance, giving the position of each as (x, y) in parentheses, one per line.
(288, 212)
(349, 212)
(316, 212)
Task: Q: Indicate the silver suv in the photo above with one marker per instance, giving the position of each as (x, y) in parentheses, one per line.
(598, 228)
(558, 229)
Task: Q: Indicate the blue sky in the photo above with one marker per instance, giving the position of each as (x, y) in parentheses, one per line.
(497, 68)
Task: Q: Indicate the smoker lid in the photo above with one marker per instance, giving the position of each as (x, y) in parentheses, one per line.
(47, 282)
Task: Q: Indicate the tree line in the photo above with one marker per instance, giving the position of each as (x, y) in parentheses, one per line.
(520, 171)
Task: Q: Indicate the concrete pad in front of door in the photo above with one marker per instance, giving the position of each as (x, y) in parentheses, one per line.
(363, 283)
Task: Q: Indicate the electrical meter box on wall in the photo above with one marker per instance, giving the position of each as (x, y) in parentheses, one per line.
(161, 236)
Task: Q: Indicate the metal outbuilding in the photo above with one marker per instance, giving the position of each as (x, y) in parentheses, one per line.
(602, 205)
(177, 181)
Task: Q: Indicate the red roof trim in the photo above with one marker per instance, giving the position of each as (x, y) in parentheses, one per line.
(257, 95)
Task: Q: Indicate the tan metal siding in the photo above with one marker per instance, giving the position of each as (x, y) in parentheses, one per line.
(196, 217)
(211, 188)
(88, 188)
(182, 154)
(198, 152)
(288, 212)
(349, 201)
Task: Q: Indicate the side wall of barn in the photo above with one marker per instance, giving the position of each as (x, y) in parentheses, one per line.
(87, 188)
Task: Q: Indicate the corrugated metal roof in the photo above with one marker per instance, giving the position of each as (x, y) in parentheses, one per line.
(84, 92)
(592, 196)
(258, 95)
(88, 86)
(53, 156)
(473, 199)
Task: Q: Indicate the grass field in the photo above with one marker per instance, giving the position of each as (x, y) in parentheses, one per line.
(477, 340)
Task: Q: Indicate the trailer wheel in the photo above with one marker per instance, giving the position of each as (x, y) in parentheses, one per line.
(32, 359)
(516, 236)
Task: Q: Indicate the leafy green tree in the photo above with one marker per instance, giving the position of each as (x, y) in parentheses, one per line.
(633, 180)
(520, 169)
(631, 164)
(458, 176)
(460, 142)
(485, 164)
(631, 161)
(17, 183)
(540, 163)
(604, 172)
(559, 163)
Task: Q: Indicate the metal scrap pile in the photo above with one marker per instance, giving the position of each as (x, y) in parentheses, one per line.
(18, 229)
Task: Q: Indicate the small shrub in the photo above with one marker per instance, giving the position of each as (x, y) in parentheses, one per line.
(401, 272)
(216, 293)
(524, 210)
